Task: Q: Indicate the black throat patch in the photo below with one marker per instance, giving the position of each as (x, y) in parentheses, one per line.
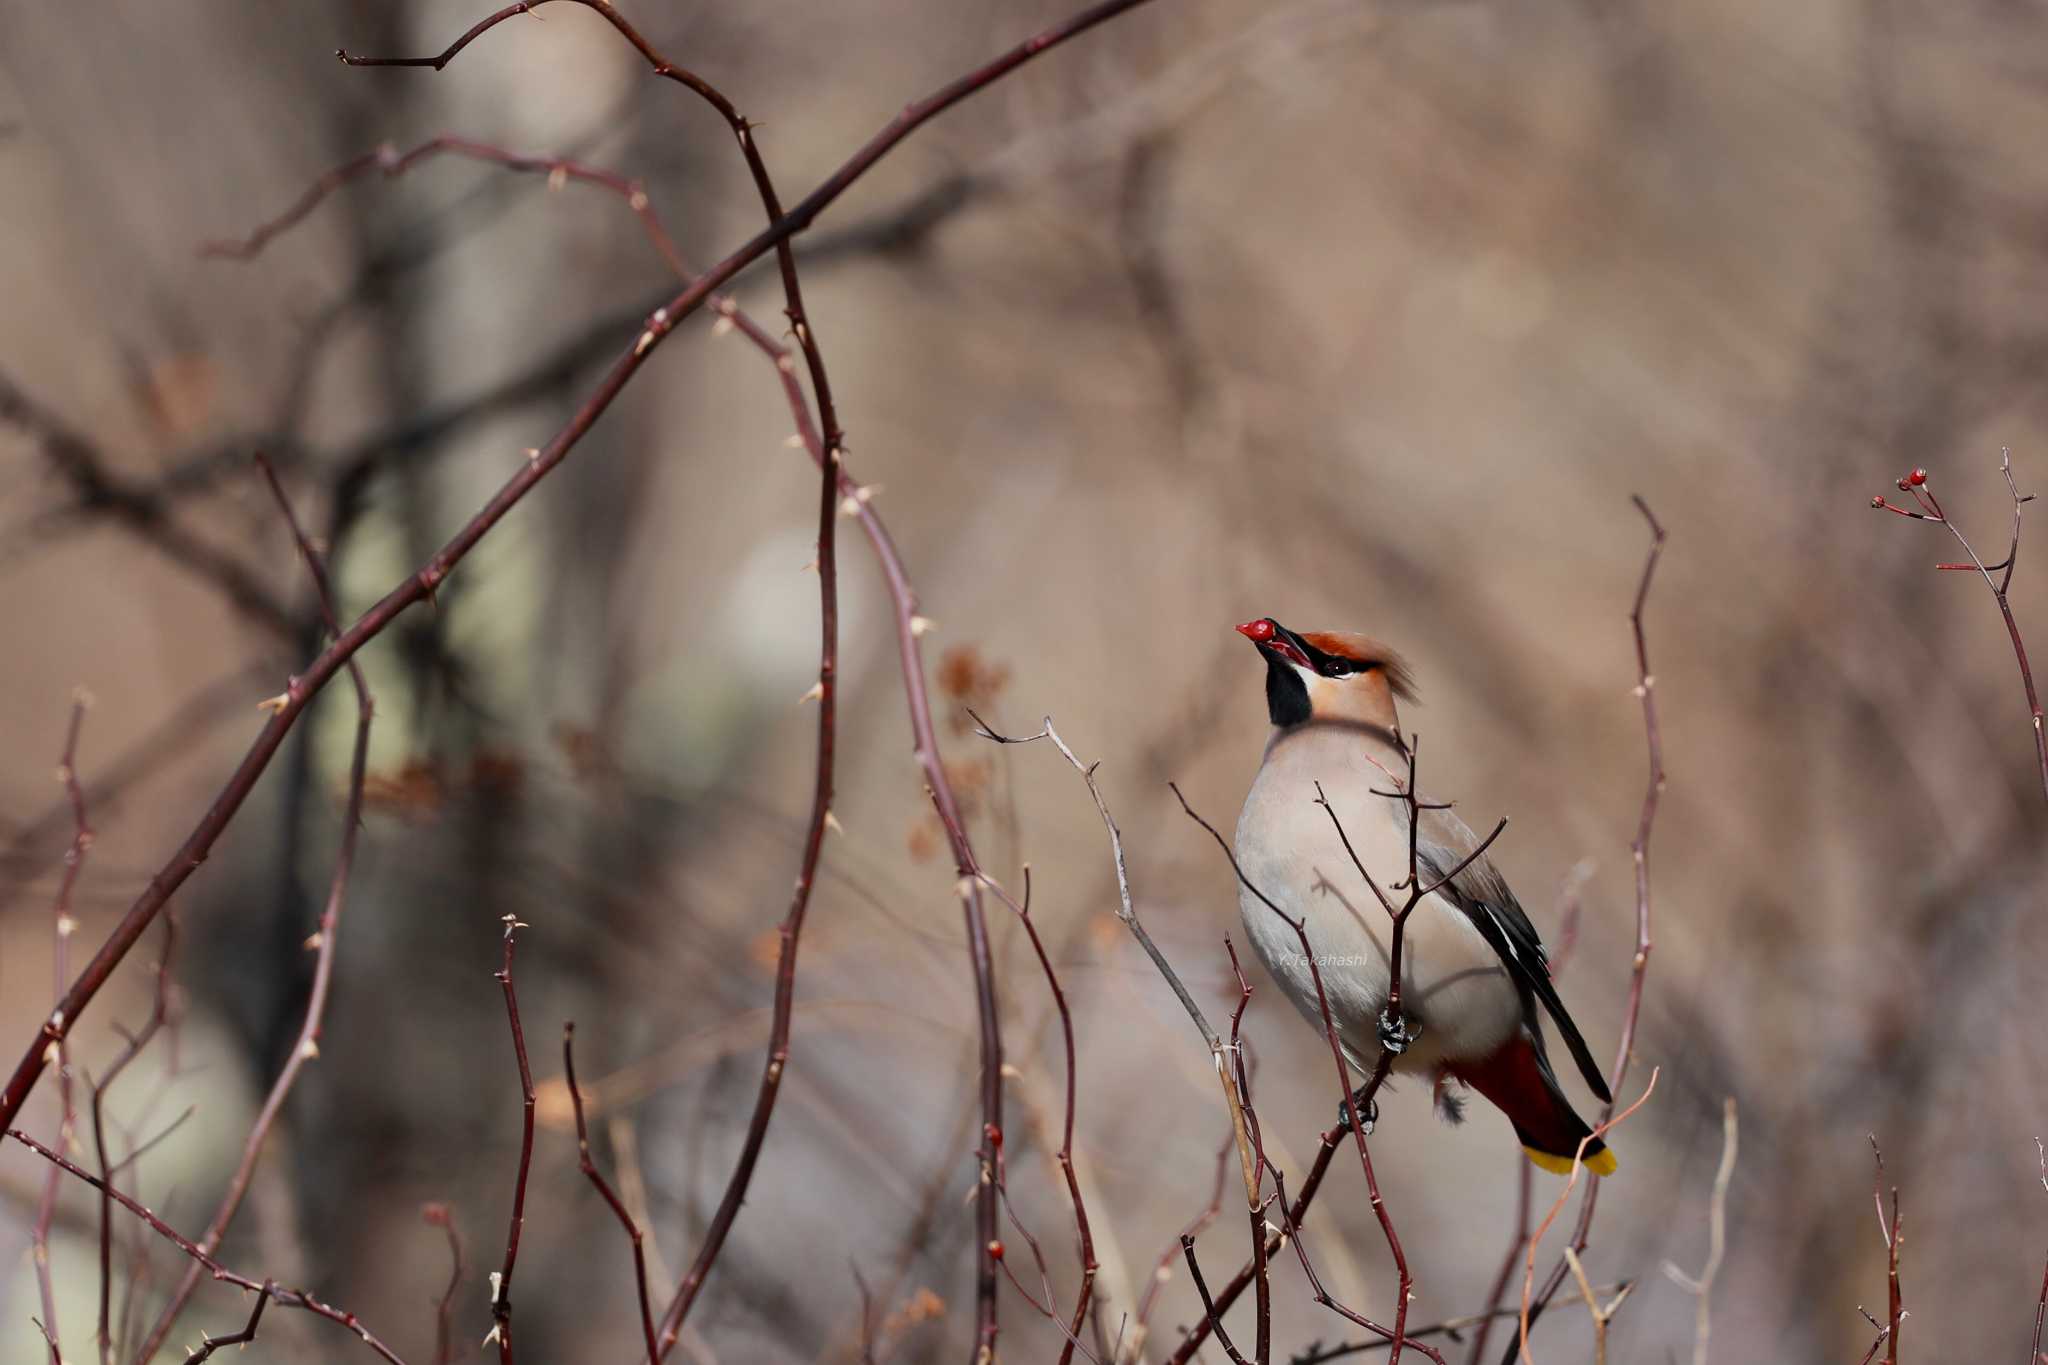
(1286, 692)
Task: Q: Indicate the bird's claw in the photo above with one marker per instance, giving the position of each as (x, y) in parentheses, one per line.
(1345, 1109)
(1394, 1034)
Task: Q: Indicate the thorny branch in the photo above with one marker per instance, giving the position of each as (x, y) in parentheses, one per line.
(501, 1279)
(1084, 1236)
(288, 1298)
(1922, 491)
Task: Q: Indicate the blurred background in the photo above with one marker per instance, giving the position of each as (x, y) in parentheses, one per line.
(1364, 315)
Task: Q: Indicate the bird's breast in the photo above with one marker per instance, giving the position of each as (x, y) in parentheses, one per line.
(1453, 983)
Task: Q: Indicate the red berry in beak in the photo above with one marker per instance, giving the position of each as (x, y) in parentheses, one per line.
(1258, 632)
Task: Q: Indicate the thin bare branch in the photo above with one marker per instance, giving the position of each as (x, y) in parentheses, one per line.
(323, 943)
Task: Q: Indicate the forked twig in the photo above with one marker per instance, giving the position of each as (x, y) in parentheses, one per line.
(1930, 509)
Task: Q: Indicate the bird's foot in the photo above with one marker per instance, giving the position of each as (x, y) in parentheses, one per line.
(1395, 1035)
(1348, 1107)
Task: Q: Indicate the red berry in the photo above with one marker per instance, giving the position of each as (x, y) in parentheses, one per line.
(1258, 631)
(993, 1134)
(1905, 486)
(995, 1251)
(1877, 501)
(1917, 477)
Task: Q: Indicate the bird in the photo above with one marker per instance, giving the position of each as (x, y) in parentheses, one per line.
(1475, 978)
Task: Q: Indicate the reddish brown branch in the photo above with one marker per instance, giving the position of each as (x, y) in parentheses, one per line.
(287, 1298)
(306, 1046)
(1917, 484)
(501, 1279)
(441, 1216)
(1893, 1234)
(208, 1345)
(1639, 851)
(1083, 1236)
(604, 1188)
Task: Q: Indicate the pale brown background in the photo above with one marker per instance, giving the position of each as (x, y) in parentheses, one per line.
(1365, 315)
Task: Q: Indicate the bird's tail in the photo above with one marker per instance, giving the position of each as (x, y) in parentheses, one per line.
(1518, 1080)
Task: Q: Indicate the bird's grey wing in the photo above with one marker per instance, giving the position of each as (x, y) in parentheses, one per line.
(1442, 842)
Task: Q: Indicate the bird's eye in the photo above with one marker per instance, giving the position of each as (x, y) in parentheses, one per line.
(1337, 668)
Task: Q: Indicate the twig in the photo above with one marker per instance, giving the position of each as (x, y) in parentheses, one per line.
(1494, 1312)
(306, 1046)
(143, 511)
(1449, 1327)
(443, 1217)
(1602, 1314)
(604, 1188)
(1208, 1214)
(1702, 1288)
(1893, 1233)
(1600, 1130)
(288, 1298)
(1639, 851)
(1917, 484)
(1210, 1313)
(1361, 1102)
(2041, 1304)
(208, 1345)
(1083, 1236)
(160, 1013)
(62, 927)
(501, 1279)
(1250, 1167)
(1127, 911)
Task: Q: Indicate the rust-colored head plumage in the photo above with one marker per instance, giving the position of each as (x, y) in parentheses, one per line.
(1328, 675)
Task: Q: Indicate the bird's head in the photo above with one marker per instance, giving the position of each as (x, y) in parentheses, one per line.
(1330, 675)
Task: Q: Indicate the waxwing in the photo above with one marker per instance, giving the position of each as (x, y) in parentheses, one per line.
(1475, 981)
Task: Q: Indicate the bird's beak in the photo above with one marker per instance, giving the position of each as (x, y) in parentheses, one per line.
(1273, 638)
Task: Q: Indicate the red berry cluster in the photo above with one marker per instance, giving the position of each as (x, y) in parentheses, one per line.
(1916, 484)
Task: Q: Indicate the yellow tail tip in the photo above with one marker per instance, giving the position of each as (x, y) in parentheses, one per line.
(1600, 1163)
